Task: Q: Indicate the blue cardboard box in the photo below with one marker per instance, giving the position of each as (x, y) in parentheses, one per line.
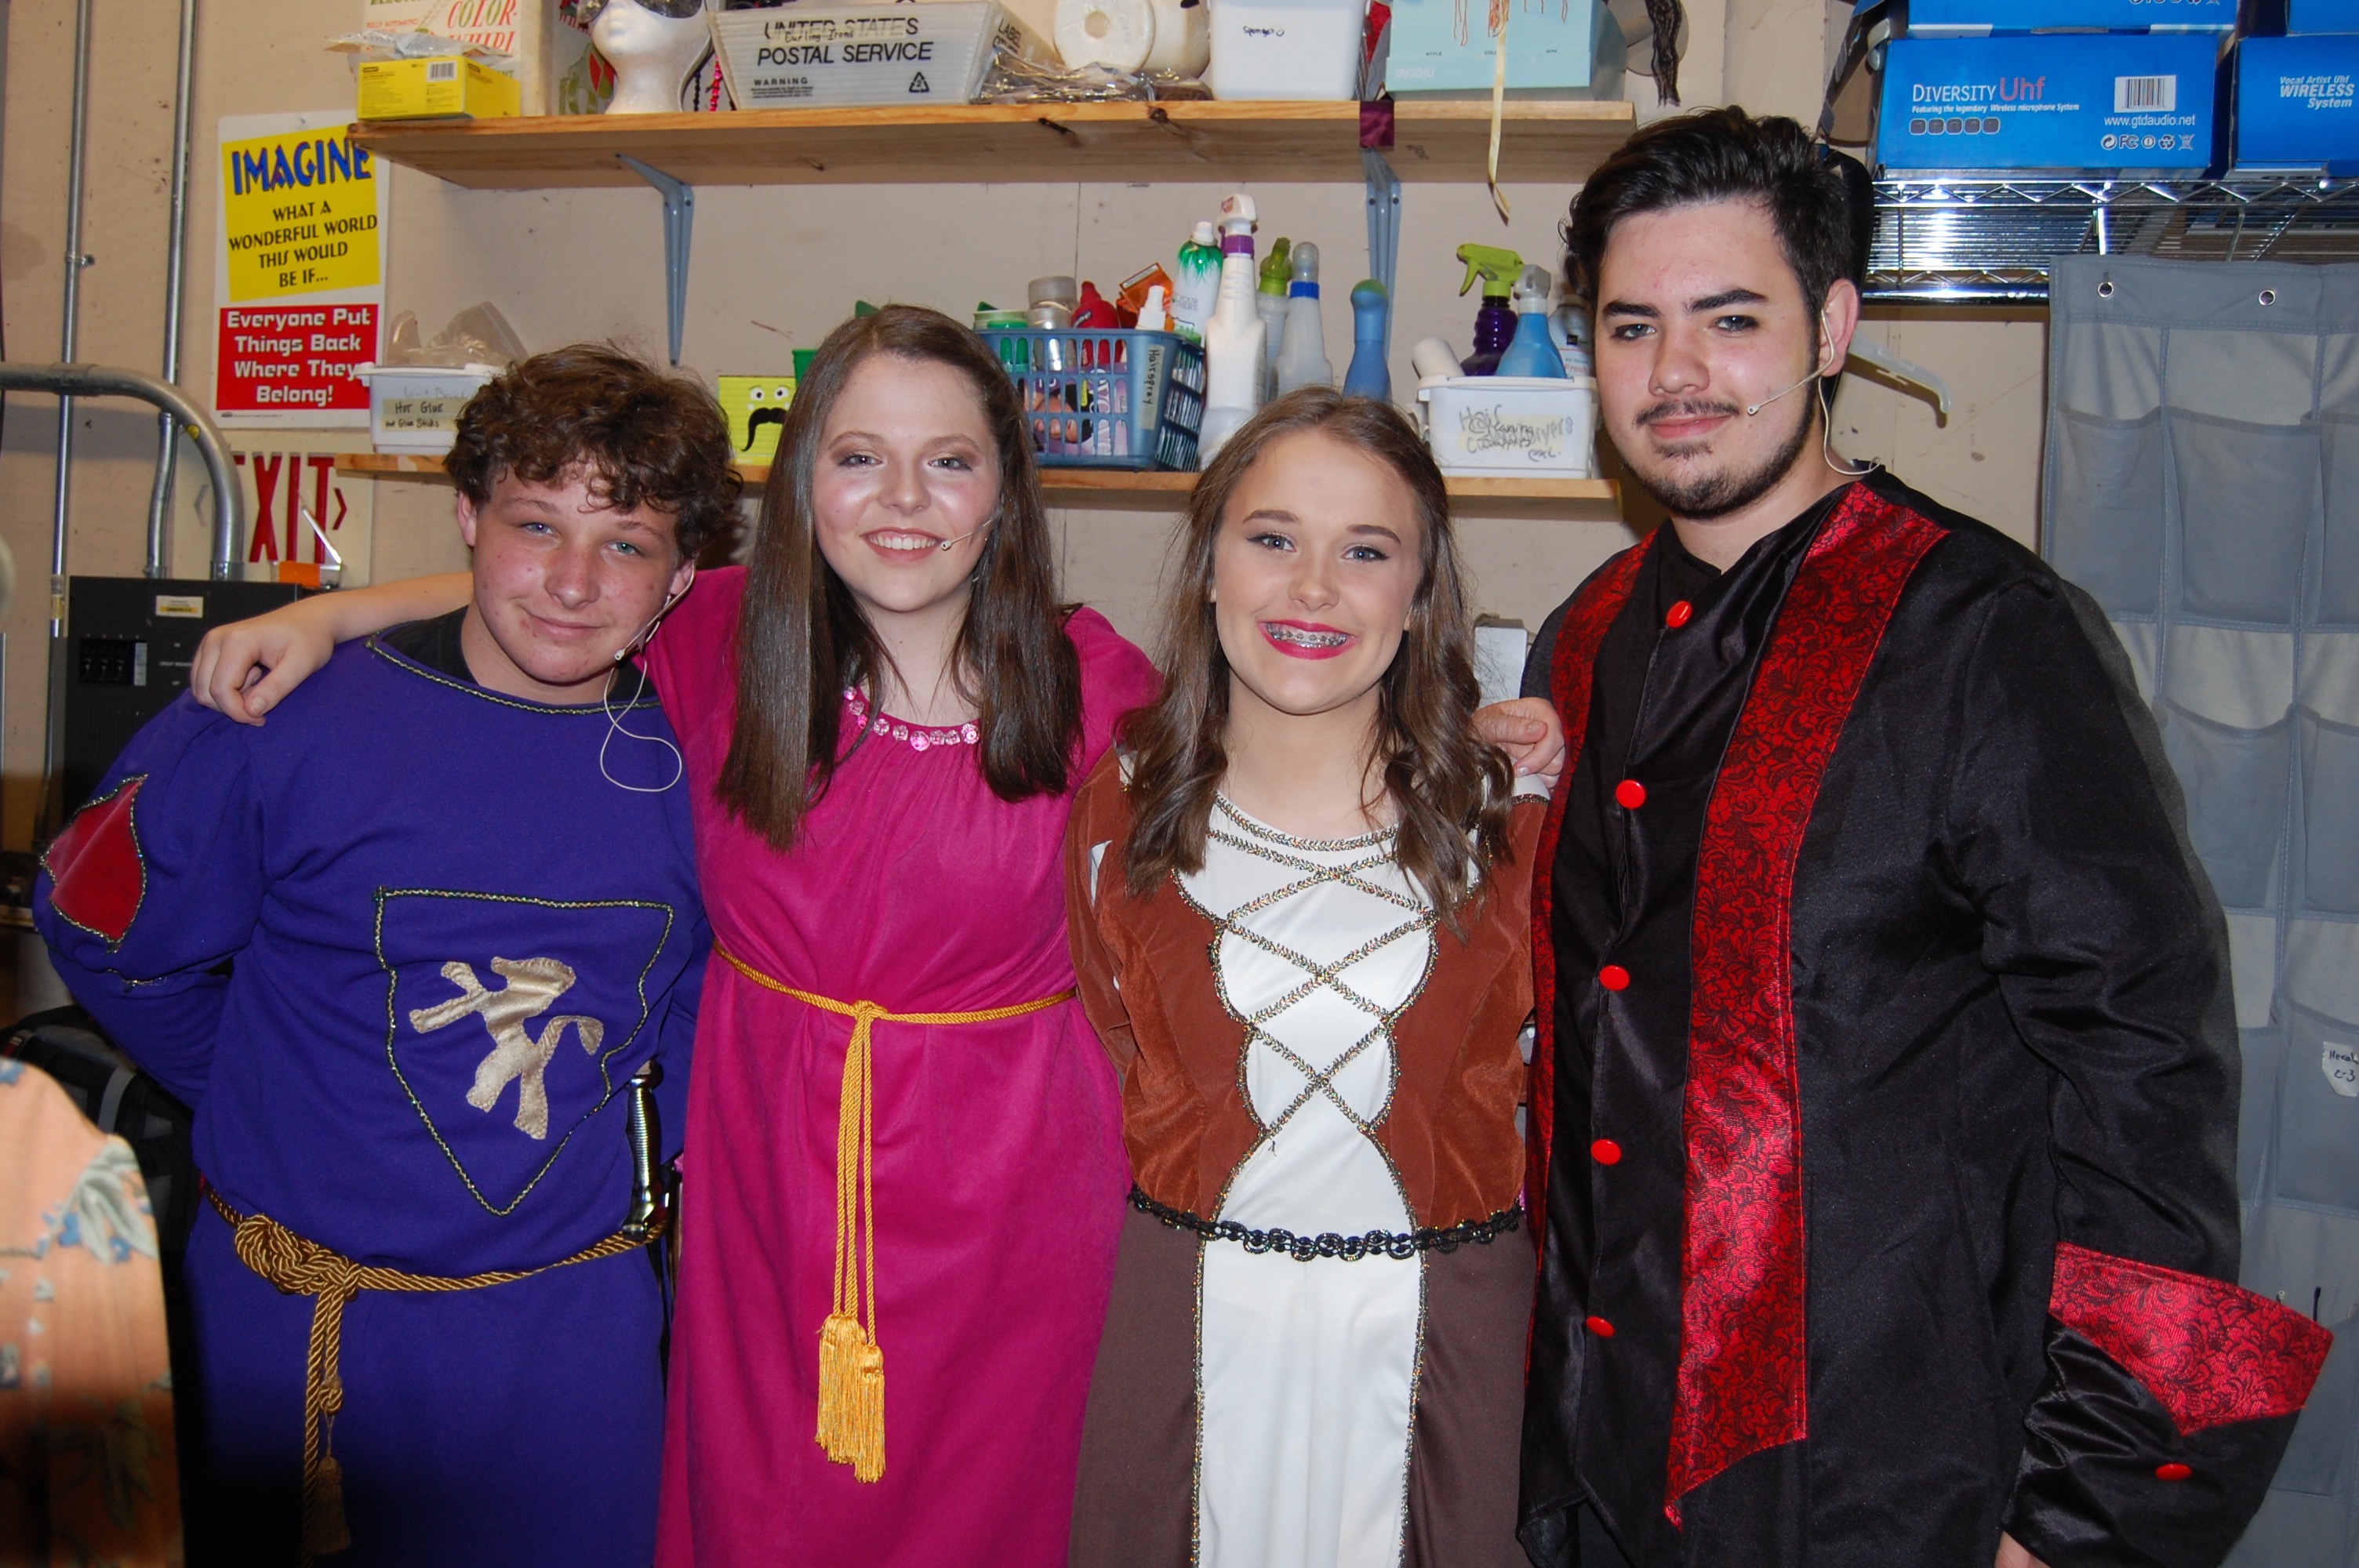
(2321, 16)
(1979, 18)
(2297, 103)
(2114, 102)
(1556, 48)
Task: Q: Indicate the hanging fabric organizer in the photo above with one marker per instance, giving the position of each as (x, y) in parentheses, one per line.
(2202, 484)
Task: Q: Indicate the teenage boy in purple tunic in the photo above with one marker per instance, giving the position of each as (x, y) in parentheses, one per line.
(404, 949)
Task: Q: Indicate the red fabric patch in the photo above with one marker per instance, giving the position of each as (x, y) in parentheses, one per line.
(2209, 1352)
(97, 877)
(1574, 669)
(1742, 1378)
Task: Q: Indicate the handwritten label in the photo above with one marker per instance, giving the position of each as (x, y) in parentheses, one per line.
(2340, 1063)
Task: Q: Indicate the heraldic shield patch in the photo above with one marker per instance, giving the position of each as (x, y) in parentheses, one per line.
(511, 1021)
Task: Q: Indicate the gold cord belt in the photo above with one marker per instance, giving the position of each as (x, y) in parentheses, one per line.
(851, 1362)
(303, 1268)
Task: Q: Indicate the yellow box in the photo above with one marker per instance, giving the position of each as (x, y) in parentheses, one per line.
(437, 87)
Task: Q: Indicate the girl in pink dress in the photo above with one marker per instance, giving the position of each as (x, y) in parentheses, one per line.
(906, 1175)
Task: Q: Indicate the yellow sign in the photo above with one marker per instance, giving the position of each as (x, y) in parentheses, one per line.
(301, 209)
(756, 406)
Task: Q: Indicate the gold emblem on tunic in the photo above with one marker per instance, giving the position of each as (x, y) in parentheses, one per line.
(517, 1055)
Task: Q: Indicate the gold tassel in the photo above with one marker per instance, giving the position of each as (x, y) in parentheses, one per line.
(852, 1397)
(325, 1533)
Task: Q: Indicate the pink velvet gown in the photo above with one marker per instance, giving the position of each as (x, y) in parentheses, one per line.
(1000, 1172)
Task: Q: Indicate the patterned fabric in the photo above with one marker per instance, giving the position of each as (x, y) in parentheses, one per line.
(1743, 1383)
(2210, 1352)
(87, 1469)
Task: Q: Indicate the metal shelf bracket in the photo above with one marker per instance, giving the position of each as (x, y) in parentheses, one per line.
(679, 219)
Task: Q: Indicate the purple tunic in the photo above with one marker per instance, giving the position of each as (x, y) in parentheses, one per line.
(999, 1165)
(394, 853)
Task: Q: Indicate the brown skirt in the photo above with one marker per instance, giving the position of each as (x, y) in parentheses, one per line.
(1135, 1504)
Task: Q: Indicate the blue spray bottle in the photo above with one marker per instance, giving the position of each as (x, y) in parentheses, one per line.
(1369, 375)
(1532, 352)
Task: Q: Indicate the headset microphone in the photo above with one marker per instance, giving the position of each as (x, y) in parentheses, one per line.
(647, 633)
(1755, 408)
(948, 544)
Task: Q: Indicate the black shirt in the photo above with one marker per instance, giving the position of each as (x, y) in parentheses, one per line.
(434, 643)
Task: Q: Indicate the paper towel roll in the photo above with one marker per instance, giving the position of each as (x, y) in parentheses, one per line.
(1183, 37)
(1117, 33)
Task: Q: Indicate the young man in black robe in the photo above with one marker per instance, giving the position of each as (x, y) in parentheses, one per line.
(1885, 1103)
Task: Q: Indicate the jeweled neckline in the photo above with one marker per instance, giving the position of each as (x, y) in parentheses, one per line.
(1260, 829)
(917, 737)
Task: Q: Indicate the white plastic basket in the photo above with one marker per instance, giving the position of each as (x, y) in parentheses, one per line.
(1286, 48)
(415, 408)
(1503, 425)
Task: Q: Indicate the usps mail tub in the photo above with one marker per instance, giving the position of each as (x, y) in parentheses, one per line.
(1510, 423)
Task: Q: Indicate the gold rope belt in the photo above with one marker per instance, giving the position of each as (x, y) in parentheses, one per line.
(301, 1267)
(851, 1362)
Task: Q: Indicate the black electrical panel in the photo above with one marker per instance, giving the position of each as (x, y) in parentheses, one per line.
(129, 644)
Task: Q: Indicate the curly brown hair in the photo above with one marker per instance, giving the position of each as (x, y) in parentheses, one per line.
(1450, 788)
(641, 436)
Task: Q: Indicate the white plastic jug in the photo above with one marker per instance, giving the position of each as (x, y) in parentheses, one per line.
(1286, 48)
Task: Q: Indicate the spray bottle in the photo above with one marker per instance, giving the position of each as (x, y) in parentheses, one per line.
(1369, 375)
(1199, 280)
(1533, 352)
(1303, 361)
(1270, 303)
(1495, 323)
(1235, 338)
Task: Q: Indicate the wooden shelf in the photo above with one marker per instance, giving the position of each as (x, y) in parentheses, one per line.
(1598, 500)
(1558, 142)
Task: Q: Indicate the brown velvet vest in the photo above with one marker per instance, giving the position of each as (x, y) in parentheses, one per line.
(1145, 966)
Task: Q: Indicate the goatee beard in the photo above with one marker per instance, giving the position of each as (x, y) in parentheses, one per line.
(1717, 495)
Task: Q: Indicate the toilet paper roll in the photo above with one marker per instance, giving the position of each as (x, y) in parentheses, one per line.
(1183, 36)
(1116, 34)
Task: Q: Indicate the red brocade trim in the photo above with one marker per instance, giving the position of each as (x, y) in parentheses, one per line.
(1743, 1376)
(97, 878)
(2209, 1352)
(1573, 671)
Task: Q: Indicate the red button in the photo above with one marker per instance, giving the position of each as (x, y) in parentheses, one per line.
(1613, 977)
(1600, 1327)
(1679, 615)
(1629, 795)
(2172, 1472)
(1606, 1151)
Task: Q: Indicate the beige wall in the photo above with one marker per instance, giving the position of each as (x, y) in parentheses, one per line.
(773, 268)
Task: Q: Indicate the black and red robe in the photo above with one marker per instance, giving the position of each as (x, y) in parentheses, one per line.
(1886, 1101)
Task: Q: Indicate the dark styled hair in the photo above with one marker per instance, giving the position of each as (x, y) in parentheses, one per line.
(802, 640)
(639, 434)
(1444, 782)
(1722, 154)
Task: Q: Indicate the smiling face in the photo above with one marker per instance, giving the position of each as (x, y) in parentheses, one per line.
(905, 466)
(1700, 317)
(1315, 575)
(563, 582)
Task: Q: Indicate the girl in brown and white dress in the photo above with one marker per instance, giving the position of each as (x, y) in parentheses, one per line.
(1299, 899)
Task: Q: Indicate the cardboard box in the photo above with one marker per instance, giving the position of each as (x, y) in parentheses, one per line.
(437, 87)
(541, 49)
(1979, 18)
(2313, 17)
(2297, 104)
(814, 57)
(2117, 103)
(1555, 50)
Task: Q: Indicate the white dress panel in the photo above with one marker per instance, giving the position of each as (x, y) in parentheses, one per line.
(1306, 1371)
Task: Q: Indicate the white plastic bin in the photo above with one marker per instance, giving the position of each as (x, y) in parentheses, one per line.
(1502, 425)
(415, 408)
(1286, 48)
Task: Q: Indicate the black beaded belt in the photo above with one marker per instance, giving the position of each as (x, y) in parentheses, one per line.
(1350, 1249)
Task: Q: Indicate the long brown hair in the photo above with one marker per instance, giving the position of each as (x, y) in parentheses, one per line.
(802, 640)
(1444, 782)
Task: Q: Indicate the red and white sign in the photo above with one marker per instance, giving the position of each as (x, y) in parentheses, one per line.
(300, 509)
(295, 357)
